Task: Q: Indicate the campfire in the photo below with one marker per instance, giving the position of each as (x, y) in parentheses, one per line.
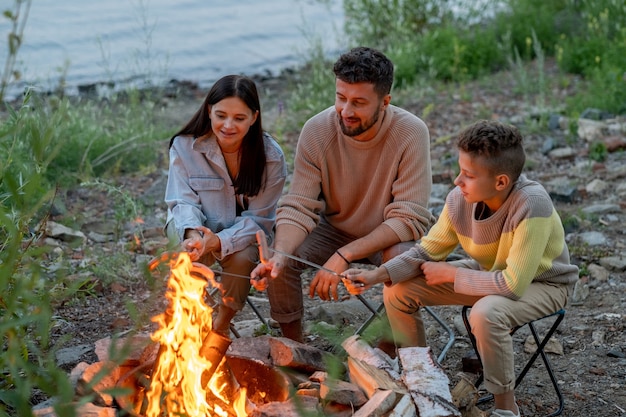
(190, 375)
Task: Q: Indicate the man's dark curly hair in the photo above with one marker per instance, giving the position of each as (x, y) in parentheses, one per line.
(499, 146)
(365, 65)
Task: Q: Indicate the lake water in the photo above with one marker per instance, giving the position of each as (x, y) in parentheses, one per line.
(127, 42)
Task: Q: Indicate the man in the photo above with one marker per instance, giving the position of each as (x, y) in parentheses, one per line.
(360, 188)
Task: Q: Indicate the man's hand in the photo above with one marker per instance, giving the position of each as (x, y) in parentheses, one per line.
(437, 273)
(324, 283)
(265, 271)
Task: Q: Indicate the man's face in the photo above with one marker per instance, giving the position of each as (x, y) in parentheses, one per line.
(359, 108)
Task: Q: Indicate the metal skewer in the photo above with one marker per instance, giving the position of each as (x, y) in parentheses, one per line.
(264, 250)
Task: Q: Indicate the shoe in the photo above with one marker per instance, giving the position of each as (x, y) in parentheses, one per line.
(387, 346)
(504, 413)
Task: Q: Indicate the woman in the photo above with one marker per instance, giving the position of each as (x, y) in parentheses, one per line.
(225, 178)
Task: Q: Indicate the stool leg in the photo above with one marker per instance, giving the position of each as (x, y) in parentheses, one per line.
(541, 343)
(540, 352)
(451, 336)
(472, 339)
(376, 314)
(257, 312)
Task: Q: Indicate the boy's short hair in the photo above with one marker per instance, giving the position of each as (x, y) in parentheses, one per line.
(499, 145)
(365, 65)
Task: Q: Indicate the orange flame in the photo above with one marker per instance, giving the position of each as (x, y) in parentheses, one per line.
(177, 386)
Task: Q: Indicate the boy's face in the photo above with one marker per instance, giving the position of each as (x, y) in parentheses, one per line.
(477, 183)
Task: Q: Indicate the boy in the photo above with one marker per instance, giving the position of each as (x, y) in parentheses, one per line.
(519, 268)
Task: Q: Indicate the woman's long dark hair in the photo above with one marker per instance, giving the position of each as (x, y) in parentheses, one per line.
(249, 181)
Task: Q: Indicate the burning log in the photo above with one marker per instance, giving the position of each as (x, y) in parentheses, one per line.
(192, 374)
(213, 350)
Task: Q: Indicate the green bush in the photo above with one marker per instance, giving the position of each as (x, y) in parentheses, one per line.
(27, 362)
(451, 54)
(32, 280)
(523, 17)
(597, 50)
(81, 140)
(428, 39)
(313, 90)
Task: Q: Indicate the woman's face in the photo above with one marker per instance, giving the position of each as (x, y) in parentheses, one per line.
(231, 119)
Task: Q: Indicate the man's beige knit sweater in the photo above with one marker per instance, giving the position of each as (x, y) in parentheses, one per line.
(359, 185)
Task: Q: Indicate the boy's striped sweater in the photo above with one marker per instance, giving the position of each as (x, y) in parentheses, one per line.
(520, 243)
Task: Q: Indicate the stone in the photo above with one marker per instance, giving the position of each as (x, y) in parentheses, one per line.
(598, 273)
(553, 346)
(593, 238)
(562, 153)
(580, 293)
(614, 263)
(71, 355)
(596, 186)
(591, 130)
(63, 233)
(130, 348)
(602, 209)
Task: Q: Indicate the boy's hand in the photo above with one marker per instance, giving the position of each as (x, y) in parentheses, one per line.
(357, 281)
(437, 273)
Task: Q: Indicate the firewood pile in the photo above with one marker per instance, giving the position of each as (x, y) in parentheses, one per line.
(361, 381)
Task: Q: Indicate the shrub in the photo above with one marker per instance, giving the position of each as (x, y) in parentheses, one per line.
(27, 362)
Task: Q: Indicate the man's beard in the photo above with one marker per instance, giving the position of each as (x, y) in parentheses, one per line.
(362, 127)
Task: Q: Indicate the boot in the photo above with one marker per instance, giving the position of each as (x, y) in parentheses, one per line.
(221, 323)
(292, 330)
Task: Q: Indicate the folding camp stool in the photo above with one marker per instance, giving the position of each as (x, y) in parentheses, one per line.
(541, 343)
(379, 312)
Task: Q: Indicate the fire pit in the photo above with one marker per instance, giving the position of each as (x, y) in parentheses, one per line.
(191, 374)
(263, 384)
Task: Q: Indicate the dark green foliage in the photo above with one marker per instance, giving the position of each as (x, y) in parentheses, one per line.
(27, 360)
(431, 39)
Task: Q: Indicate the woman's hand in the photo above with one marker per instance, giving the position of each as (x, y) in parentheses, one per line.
(200, 241)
